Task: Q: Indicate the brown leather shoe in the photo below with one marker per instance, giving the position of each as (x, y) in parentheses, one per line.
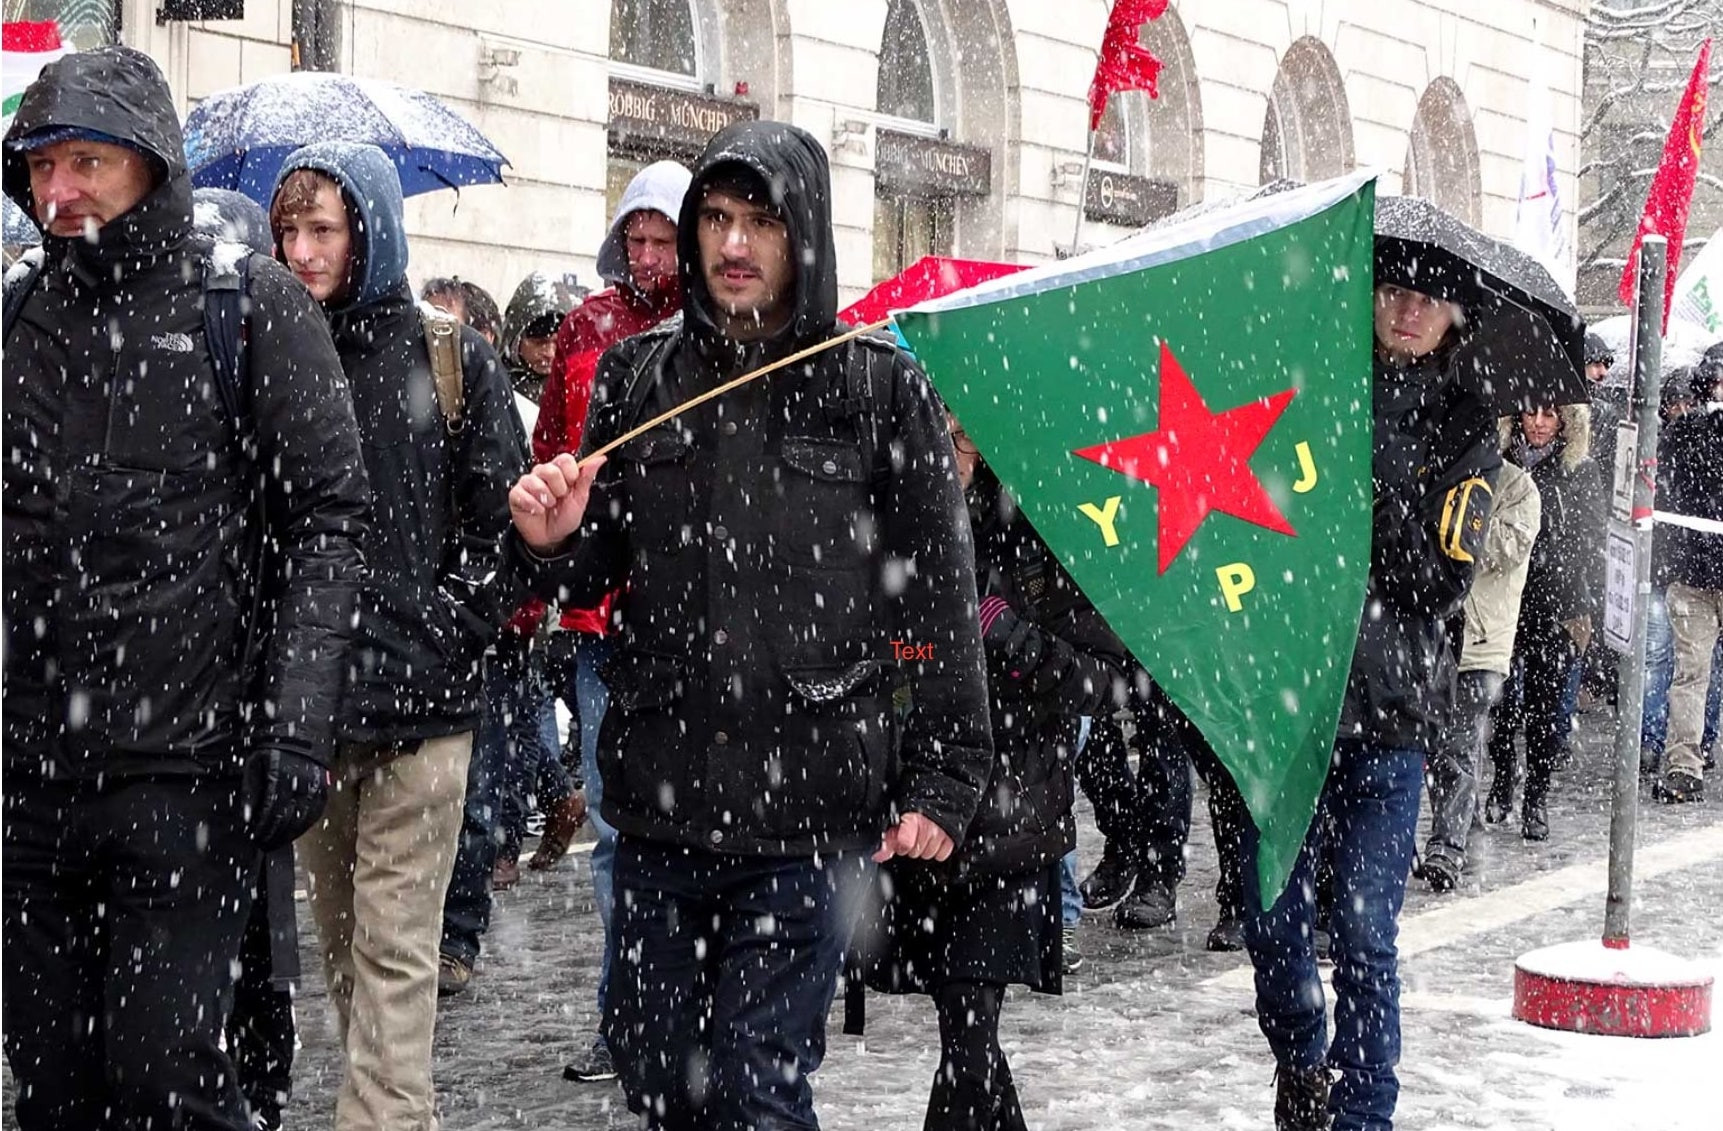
(560, 826)
(505, 874)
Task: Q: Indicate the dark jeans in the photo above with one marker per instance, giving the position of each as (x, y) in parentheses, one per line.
(1453, 766)
(725, 967)
(508, 732)
(124, 908)
(525, 714)
(1228, 818)
(1369, 810)
(260, 1030)
(591, 699)
(972, 1088)
(1533, 700)
(1146, 814)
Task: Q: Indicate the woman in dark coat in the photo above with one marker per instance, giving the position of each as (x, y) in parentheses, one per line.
(963, 930)
(1559, 607)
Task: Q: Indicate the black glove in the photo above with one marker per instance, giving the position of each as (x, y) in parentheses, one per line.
(284, 795)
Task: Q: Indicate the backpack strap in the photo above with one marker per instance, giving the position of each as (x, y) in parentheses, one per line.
(21, 280)
(639, 385)
(443, 344)
(226, 289)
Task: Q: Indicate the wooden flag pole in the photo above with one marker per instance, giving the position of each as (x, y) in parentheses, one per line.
(736, 383)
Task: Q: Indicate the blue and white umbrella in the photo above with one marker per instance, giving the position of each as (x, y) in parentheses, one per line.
(21, 231)
(237, 139)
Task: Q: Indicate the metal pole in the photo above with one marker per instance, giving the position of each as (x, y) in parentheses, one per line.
(1630, 711)
(1082, 196)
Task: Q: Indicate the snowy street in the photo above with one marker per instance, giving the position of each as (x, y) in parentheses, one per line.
(1154, 1032)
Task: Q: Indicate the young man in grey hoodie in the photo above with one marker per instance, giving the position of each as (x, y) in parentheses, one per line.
(380, 860)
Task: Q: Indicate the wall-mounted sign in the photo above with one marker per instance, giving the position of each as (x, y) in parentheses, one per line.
(643, 116)
(1120, 198)
(925, 166)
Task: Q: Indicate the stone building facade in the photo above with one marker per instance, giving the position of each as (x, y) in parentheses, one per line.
(954, 126)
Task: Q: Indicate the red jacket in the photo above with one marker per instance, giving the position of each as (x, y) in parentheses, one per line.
(589, 329)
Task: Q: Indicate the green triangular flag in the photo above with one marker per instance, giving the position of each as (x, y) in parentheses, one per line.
(1185, 417)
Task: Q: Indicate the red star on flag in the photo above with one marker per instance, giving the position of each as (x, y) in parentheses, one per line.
(1198, 460)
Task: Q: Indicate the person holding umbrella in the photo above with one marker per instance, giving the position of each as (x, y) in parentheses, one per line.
(1435, 464)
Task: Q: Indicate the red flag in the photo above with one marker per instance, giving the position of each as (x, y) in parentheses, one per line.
(1124, 64)
(1672, 189)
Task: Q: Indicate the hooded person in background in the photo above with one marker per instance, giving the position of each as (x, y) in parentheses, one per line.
(536, 312)
(179, 589)
(753, 756)
(380, 860)
(260, 1031)
(639, 259)
(1690, 484)
(1560, 606)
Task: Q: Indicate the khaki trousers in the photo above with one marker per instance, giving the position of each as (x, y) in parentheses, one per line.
(1696, 617)
(379, 863)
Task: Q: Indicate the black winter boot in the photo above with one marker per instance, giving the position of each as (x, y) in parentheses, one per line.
(1111, 880)
(1151, 905)
(1301, 1099)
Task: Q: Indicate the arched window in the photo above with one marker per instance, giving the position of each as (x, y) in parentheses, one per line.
(906, 85)
(1307, 130)
(658, 35)
(1442, 155)
(909, 224)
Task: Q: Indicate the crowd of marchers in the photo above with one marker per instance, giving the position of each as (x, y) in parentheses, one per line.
(298, 566)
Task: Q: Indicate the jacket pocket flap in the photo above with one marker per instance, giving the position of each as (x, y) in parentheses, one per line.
(825, 459)
(831, 683)
(661, 445)
(643, 680)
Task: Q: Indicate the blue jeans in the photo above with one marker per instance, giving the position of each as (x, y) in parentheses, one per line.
(1070, 899)
(496, 749)
(1660, 672)
(591, 699)
(726, 967)
(535, 769)
(1370, 806)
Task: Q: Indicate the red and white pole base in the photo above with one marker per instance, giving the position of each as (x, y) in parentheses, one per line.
(1613, 991)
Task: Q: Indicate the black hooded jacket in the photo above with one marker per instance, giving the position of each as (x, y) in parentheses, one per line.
(130, 543)
(434, 598)
(1434, 467)
(1050, 660)
(774, 542)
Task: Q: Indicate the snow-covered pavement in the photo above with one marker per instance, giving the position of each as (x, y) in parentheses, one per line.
(1155, 1032)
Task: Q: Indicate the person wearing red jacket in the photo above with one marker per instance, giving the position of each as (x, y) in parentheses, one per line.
(638, 259)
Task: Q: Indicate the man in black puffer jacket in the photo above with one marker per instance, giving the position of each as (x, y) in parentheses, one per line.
(440, 463)
(787, 549)
(175, 640)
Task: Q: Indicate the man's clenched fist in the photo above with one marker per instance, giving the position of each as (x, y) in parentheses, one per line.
(549, 502)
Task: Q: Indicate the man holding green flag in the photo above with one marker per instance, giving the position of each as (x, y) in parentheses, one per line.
(1226, 362)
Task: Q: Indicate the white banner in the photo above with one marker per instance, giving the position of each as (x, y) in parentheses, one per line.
(1699, 289)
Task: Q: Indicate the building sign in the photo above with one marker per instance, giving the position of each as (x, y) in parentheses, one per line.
(925, 166)
(1120, 198)
(660, 119)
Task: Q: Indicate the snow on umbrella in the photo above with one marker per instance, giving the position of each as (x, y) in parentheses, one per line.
(21, 231)
(238, 138)
(1526, 341)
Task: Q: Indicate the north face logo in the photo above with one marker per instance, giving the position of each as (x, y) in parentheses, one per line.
(173, 343)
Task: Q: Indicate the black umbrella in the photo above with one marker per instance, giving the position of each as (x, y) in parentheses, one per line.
(1524, 342)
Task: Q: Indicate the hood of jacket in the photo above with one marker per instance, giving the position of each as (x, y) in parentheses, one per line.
(119, 92)
(539, 294)
(223, 214)
(798, 178)
(1574, 437)
(371, 190)
(659, 187)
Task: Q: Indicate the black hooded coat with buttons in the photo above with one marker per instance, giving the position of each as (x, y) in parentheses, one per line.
(772, 545)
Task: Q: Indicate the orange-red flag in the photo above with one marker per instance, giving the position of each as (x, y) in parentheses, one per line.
(1672, 189)
(1124, 64)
